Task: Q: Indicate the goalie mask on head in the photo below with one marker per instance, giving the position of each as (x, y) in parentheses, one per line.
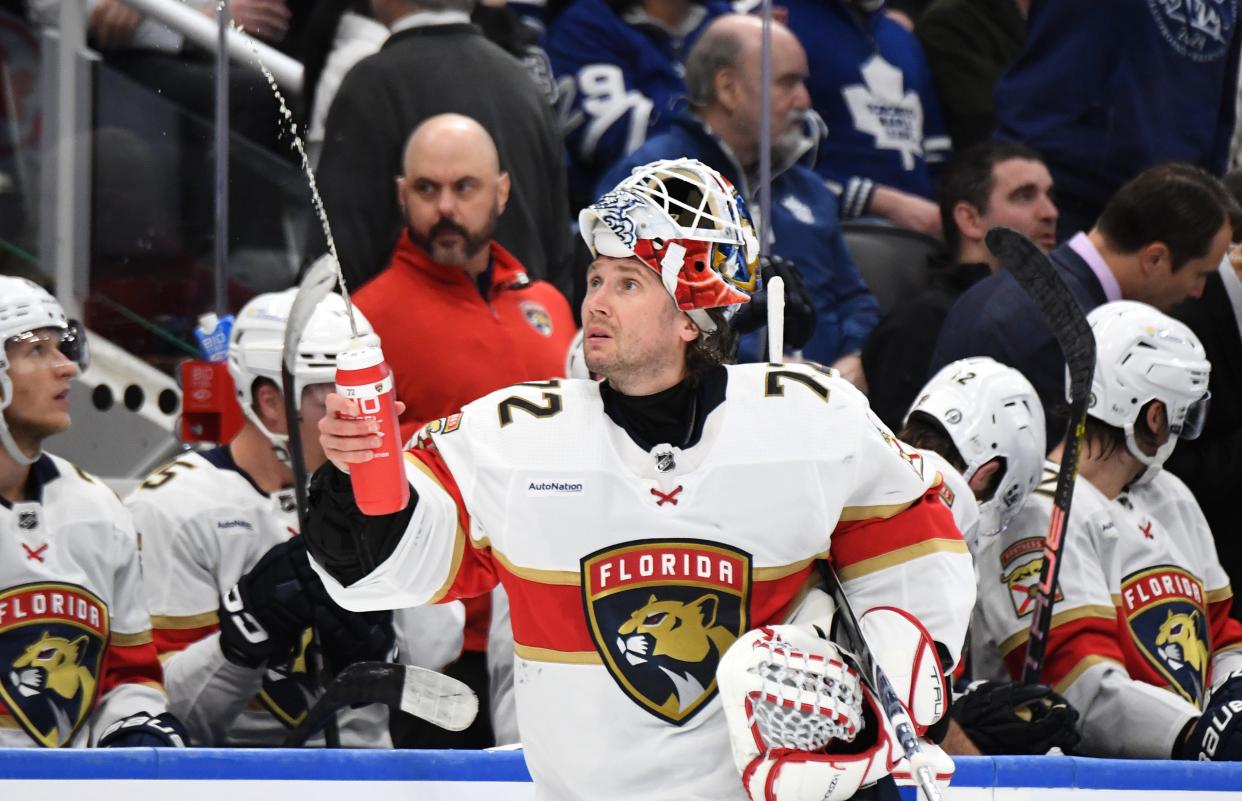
(27, 308)
(990, 410)
(256, 345)
(1143, 355)
(686, 222)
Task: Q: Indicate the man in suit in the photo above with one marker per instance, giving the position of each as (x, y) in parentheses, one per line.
(1157, 241)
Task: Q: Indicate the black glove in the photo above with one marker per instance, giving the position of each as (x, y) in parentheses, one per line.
(344, 541)
(1217, 734)
(800, 313)
(348, 637)
(263, 617)
(141, 730)
(1011, 718)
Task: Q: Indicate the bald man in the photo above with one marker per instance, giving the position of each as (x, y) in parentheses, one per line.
(459, 318)
(721, 129)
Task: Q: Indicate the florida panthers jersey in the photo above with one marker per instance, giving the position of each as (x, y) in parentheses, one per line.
(204, 523)
(1140, 624)
(630, 571)
(76, 653)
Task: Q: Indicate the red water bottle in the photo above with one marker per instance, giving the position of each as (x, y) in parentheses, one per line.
(380, 485)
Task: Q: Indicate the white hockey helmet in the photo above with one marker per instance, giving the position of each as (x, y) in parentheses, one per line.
(256, 344)
(686, 222)
(1142, 355)
(575, 358)
(26, 307)
(990, 410)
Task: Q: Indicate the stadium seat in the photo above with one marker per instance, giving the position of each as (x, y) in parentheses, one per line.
(894, 262)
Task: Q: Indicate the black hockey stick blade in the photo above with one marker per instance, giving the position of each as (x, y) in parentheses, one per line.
(1042, 281)
(848, 633)
(425, 694)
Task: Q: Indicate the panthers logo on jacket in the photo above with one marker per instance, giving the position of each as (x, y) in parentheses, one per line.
(52, 639)
(1164, 609)
(661, 614)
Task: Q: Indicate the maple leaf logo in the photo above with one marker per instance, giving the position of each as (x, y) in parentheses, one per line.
(881, 107)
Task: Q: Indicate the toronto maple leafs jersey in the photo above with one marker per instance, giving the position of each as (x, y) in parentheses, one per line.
(629, 572)
(1140, 624)
(873, 88)
(204, 523)
(76, 653)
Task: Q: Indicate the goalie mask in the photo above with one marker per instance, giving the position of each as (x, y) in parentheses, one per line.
(1143, 355)
(686, 222)
(29, 312)
(256, 345)
(990, 411)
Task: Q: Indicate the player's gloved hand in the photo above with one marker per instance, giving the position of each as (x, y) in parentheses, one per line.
(346, 637)
(263, 617)
(1217, 735)
(141, 730)
(800, 315)
(1011, 718)
(345, 542)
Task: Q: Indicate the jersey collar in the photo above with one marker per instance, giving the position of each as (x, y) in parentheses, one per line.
(42, 472)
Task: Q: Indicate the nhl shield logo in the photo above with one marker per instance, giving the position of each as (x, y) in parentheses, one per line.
(662, 613)
(52, 639)
(1168, 623)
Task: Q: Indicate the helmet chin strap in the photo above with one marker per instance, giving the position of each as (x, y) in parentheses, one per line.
(10, 445)
(1154, 463)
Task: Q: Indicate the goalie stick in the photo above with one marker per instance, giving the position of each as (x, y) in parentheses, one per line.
(315, 286)
(849, 635)
(1043, 283)
(425, 694)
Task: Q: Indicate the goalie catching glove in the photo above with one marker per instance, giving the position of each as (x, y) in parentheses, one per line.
(804, 726)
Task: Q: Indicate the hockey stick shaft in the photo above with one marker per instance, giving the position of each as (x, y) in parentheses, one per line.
(425, 694)
(847, 626)
(1041, 280)
(776, 320)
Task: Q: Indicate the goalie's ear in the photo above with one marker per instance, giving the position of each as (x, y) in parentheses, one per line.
(908, 656)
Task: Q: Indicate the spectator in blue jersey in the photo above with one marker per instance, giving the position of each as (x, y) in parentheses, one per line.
(619, 68)
(870, 82)
(722, 130)
(1105, 90)
(1157, 241)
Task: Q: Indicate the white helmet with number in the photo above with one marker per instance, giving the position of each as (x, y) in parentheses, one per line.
(256, 344)
(686, 222)
(990, 410)
(26, 307)
(1143, 355)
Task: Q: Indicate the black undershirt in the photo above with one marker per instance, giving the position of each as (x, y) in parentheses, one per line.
(673, 416)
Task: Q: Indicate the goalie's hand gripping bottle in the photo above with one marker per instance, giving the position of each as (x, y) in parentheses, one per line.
(380, 485)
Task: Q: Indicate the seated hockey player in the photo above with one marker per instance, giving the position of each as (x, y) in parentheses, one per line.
(642, 524)
(79, 668)
(231, 590)
(981, 424)
(1141, 641)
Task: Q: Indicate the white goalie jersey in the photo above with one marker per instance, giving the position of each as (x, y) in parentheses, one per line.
(629, 572)
(1140, 624)
(204, 523)
(76, 653)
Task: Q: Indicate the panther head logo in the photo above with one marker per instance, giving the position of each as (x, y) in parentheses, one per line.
(680, 640)
(52, 669)
(1178, 643)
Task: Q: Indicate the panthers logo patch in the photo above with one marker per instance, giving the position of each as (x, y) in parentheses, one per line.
(1164, 608)
(1021, 564)
(537, 316)
(661, 614)
(52, 639)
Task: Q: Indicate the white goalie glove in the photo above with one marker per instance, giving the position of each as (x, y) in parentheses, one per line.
(802, 724)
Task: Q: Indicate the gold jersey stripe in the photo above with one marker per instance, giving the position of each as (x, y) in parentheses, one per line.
(900, 556)
(851, 514)
(459, 540)
(532, 654)
(185, 621)
(1221, 594)
(1108, 613)
(129, 640)
(1082, 667)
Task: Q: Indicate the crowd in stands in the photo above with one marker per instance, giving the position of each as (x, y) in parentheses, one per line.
(455, 143)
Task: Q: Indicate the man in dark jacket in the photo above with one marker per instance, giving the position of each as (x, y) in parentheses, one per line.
(436, 62)
(722, 75)
(1156, 242)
